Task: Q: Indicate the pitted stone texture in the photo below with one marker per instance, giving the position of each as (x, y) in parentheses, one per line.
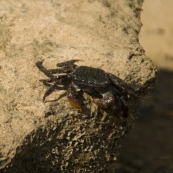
(79, 143)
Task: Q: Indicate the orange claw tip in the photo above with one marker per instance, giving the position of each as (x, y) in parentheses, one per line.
(75, 104)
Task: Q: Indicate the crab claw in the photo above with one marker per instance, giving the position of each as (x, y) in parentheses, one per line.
(107, 101)
(75, 103)
(100, 102)
(71, 95)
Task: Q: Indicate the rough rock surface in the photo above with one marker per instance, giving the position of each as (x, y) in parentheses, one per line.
(53, 136)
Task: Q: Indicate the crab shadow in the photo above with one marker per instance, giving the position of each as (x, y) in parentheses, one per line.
(124, 90)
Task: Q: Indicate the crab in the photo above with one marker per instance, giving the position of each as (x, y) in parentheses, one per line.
(73, 78)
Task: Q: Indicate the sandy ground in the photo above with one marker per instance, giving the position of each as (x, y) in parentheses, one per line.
(149, 147)
(156, 35)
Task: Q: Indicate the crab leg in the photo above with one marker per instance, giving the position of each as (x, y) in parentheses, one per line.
(50, 90)
(71, 95)
(125, 108)
(54, 86)
(44, 70)
(65, 67)
(67, 63)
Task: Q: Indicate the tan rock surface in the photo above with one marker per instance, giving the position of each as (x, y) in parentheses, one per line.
(53, 136)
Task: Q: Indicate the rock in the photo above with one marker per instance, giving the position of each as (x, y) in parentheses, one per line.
(53, 136)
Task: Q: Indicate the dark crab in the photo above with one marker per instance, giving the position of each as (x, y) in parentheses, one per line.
(75, 78)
